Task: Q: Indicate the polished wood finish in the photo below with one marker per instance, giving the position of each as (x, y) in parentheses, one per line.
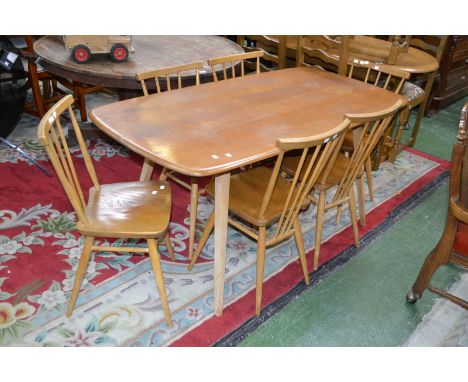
(137, 210)
(176, 129)
(452, 82)
(242, 113)
(261, 197)
(147, 170)
(223, 61)
(150, 52)
(452, 246)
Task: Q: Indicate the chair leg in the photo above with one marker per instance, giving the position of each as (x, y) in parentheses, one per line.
(193, 214)
(158, 276)
(81, 102)
(80, 272)
(163, 175)
(422, 108)
(300, 249)
(353, 214)
(362, 200)
(339, 210)
(370, 180)
(147, 171)
(261, 249)
(319, 227)
(170, 249)
(205, 235)
(439, 255)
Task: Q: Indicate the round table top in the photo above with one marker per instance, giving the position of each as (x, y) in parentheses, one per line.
(412, 61)
(151, 52)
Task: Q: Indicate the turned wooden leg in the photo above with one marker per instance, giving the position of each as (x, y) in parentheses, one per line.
(193, 214)
(370, 180)
(147, 171)
(205, 235)
(261, 248)
(159, 278)
(319, 227)
(80, 272)
(438, 256)
(353, 214)
(300, 249)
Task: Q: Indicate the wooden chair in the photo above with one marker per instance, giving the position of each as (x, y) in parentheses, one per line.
(273, 47)
(414, 92)
(387, 77)
(325, 52)
(42, 83)
(136, 210)
(261, 198)
(49, 92)
(343, 172)
(148, 166)
(232, 60)
(453, 244)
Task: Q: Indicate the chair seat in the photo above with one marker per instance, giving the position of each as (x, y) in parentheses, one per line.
(131, 209)
(246, 192)
(411, 91)
(335, 175)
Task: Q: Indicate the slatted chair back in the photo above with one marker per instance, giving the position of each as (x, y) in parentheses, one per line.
(166, 73)
(52, 137)
(373, 126)
(323, 149)
(220, 62)
(273, 47)
(325, 52)
(434, 45)
(381, 75)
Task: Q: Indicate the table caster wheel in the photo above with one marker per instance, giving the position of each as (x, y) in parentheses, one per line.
(411, 297)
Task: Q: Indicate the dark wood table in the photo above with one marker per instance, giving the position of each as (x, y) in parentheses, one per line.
(220, 126)
(152, 52)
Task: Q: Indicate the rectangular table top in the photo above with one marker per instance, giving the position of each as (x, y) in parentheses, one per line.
(216, 127)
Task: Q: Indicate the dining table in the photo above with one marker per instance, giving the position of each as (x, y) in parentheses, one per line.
(218, 127)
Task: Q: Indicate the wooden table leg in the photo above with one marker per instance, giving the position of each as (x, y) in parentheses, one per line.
(221, 216)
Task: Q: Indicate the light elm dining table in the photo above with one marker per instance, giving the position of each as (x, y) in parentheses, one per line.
(212, 129)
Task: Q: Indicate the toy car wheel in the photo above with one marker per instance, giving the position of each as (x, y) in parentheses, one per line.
(81, 54)
(119, 53)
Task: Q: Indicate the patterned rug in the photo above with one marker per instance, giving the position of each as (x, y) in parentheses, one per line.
(118, 304)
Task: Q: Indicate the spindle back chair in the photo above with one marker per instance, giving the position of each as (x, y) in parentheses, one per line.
(262, 198)
(232, 60)
(134, 210)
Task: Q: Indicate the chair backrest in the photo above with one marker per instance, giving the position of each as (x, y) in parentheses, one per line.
(273, 47)
(434, 45)
(166, 73)
(322, 149)
(372, 127)
(233, 60)
(381, 75)
(52, 137)
(325, 52)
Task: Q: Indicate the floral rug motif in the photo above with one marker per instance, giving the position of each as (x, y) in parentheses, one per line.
(118, 304)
